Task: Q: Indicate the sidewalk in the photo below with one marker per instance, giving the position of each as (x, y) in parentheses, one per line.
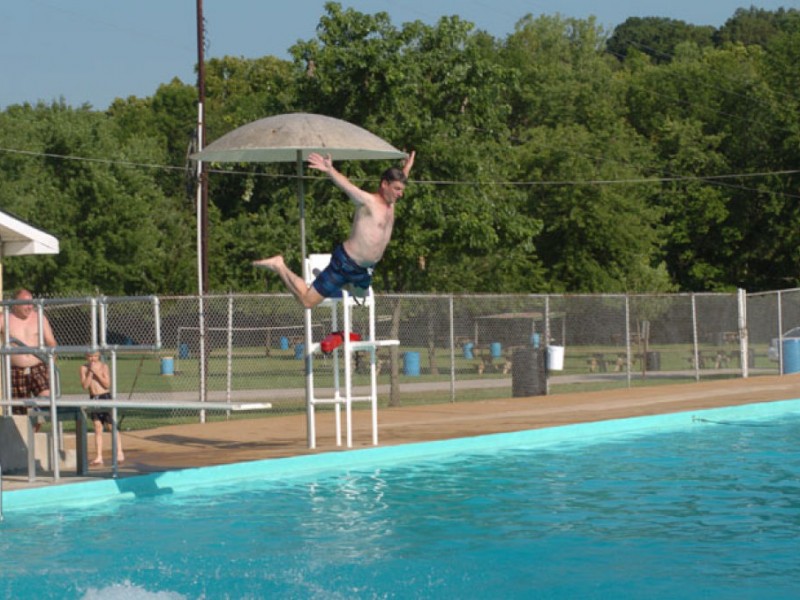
(197, 445)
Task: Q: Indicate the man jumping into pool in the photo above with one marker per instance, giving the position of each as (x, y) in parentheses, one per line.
(353, 261)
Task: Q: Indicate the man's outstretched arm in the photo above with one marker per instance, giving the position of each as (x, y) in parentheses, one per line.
(409, 163)
(325, 164)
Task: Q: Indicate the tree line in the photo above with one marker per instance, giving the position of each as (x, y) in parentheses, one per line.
(660, 156)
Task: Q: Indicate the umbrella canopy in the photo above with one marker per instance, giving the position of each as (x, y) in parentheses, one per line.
(292, 137)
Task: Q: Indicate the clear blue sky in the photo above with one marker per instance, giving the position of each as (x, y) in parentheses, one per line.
(97, 50)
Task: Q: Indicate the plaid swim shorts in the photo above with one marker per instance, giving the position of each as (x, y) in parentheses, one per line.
(29, 381)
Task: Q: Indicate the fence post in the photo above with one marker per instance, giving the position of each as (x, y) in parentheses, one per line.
(780, 332)
(201, 319)
(695, 349)
(452, 352)
(743, 342)
(229, 365)
(628, 361)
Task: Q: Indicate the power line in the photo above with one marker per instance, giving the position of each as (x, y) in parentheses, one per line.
(440, 182)
(106, 161)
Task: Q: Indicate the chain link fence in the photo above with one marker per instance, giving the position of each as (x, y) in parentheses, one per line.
(453, 348)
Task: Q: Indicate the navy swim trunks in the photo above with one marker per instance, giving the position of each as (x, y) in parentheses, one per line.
(341, 271)
(103, 416)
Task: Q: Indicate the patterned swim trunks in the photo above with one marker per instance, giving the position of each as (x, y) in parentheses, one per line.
(341, 271)
(27, 382)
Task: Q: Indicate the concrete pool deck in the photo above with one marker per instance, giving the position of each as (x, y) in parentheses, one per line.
(198, 445)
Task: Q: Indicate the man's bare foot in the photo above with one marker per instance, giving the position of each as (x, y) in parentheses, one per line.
(97, 462)
(273, 263)
(121, 458)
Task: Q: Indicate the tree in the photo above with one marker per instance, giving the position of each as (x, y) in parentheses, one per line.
(656, 37)
(440, 91)
(118, 232)
(756, 26)
(572, 135)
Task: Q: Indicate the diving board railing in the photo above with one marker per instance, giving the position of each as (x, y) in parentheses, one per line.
(342, 397)
(98, 342)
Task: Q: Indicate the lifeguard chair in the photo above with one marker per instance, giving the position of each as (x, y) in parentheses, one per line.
(315, 263)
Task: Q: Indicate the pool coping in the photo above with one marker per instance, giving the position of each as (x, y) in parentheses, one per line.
(296, 467)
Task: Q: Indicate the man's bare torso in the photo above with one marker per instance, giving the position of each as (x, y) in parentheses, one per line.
(370, 232)
(26, 331)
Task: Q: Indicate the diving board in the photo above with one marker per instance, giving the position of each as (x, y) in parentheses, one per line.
(45, 405)
(43, 402)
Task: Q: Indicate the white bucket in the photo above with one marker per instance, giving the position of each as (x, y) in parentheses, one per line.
(555, 358)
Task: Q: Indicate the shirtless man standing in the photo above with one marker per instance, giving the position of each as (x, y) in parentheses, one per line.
(352, 263)
(29, 376)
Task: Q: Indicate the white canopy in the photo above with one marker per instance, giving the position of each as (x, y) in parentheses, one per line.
(17, 238)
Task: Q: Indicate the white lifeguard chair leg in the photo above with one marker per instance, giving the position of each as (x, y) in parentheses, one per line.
(373, 375)
(309, 366)
(337, 395)
(348, 373)
(313, 265)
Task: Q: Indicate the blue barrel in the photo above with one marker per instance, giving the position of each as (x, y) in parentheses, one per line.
(468, 350)
(183, 351)
(167, 366)
(298, 351)
(496, 349)
(411, 364)
(284, 343)
(791, 355)
(536, 339)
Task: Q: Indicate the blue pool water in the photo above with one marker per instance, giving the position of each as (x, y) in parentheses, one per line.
(709, 510)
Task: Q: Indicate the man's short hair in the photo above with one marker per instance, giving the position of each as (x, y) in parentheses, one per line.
(394, 174)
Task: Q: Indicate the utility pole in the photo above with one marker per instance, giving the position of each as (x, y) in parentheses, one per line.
(202, 174)
(202, 206)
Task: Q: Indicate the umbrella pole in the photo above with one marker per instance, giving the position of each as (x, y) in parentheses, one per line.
(301, 194)
(310, 428)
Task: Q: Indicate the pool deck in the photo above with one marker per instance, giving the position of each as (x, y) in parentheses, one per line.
(198, 445)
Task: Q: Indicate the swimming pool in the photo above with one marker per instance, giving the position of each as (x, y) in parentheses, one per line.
(688, 506)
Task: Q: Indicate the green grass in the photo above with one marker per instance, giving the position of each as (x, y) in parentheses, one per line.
(253, 369)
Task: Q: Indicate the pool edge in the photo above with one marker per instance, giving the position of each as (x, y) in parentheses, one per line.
(90, 492)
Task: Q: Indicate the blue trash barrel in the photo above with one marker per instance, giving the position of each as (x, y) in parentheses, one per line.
(791, 356)
(167, 366)
(468, 350)
(496, 349)
(536, 340)
(284, 343)
(298, 351)
(411, 364)
(183, 351)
